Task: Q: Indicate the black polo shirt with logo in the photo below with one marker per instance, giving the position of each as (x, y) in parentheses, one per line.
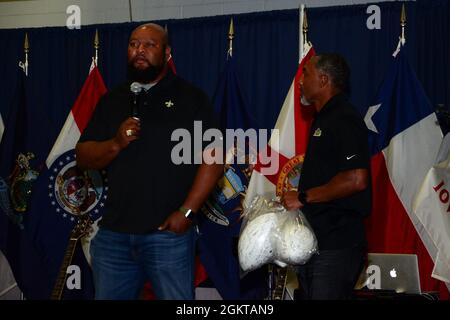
(144, 185)
(337, 142)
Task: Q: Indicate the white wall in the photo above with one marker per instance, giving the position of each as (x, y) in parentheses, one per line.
(39, 13)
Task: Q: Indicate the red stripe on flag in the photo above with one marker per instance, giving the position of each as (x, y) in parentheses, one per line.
(282, 161)
(390, 230)
(84, 106)
(171, 65)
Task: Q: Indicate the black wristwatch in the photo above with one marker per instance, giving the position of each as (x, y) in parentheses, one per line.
(302, 197)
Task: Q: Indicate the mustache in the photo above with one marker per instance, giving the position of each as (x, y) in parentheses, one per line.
(141, 57)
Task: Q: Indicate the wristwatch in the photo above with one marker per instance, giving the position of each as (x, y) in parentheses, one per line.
(302, 197)
(188, 213)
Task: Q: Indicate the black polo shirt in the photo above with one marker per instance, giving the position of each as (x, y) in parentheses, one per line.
(337, 142)
(144, 185)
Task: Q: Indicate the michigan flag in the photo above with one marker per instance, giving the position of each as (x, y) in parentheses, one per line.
(219, 224)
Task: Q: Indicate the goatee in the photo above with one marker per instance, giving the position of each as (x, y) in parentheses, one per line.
(146, 75)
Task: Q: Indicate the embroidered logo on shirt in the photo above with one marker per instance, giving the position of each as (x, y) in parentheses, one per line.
(348, 158)
(317, 133)
(169, 104)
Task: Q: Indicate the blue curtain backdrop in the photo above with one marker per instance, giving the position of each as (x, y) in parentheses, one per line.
(265, 53)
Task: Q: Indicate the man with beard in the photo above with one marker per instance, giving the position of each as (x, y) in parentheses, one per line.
(147, 232)
(334, 187)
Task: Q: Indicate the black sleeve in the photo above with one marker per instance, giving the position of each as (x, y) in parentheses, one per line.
(351, 143)
(97, 127)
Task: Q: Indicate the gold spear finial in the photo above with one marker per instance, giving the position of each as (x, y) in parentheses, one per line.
(403, 22)
(26, 45)
(26, 49)
(230, 38)
(166, 30)
(403, 16)
(231, 30)
(96, 41)
(305, 27)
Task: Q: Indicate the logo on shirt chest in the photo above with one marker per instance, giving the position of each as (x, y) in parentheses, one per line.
(317, 133)
(169, 104)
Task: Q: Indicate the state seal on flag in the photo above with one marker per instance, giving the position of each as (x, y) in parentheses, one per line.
(74, 192)
(290, 174)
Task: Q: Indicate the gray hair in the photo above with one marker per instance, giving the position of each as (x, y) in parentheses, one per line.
(335, 66)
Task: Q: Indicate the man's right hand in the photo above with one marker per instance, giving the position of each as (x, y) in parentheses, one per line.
(128, 131)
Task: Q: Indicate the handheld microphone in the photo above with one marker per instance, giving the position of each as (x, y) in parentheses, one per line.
(136, 88)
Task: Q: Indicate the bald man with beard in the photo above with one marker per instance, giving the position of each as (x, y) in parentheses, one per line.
(147, 232)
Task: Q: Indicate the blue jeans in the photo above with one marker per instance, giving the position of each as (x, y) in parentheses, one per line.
(331, 274)
(122, 263)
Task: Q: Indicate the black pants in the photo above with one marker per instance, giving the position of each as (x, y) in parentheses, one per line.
(331, 274)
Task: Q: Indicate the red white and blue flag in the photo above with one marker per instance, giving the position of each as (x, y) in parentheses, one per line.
(404, 140)
(63, 193)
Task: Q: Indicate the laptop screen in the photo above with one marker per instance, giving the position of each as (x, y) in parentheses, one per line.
(393, 272)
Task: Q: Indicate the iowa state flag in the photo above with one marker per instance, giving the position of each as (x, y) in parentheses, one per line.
(288, 142)
(22, 154)
(432, 207)
(64, 193)
(404, 139)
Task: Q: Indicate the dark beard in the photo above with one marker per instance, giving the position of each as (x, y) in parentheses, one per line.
(146, 75)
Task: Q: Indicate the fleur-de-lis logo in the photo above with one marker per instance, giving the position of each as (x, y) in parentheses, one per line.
(169, 104)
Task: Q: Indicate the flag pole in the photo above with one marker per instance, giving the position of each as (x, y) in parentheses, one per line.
(300, 31)
(96, 46)
(170, 55)
(230, 39)
(403, 22)
(26, 49)
(166, 30)
(305, 27)
(402, 39)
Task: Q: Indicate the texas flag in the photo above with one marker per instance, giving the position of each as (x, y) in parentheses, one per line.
(287, 144)
(404, 140)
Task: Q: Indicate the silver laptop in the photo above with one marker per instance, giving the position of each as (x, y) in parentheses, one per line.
(391, 272)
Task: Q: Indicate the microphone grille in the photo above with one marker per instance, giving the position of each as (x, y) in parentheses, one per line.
(136, 87)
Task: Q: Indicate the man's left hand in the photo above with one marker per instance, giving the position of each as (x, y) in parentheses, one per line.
(290, 200)
(176, 223)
